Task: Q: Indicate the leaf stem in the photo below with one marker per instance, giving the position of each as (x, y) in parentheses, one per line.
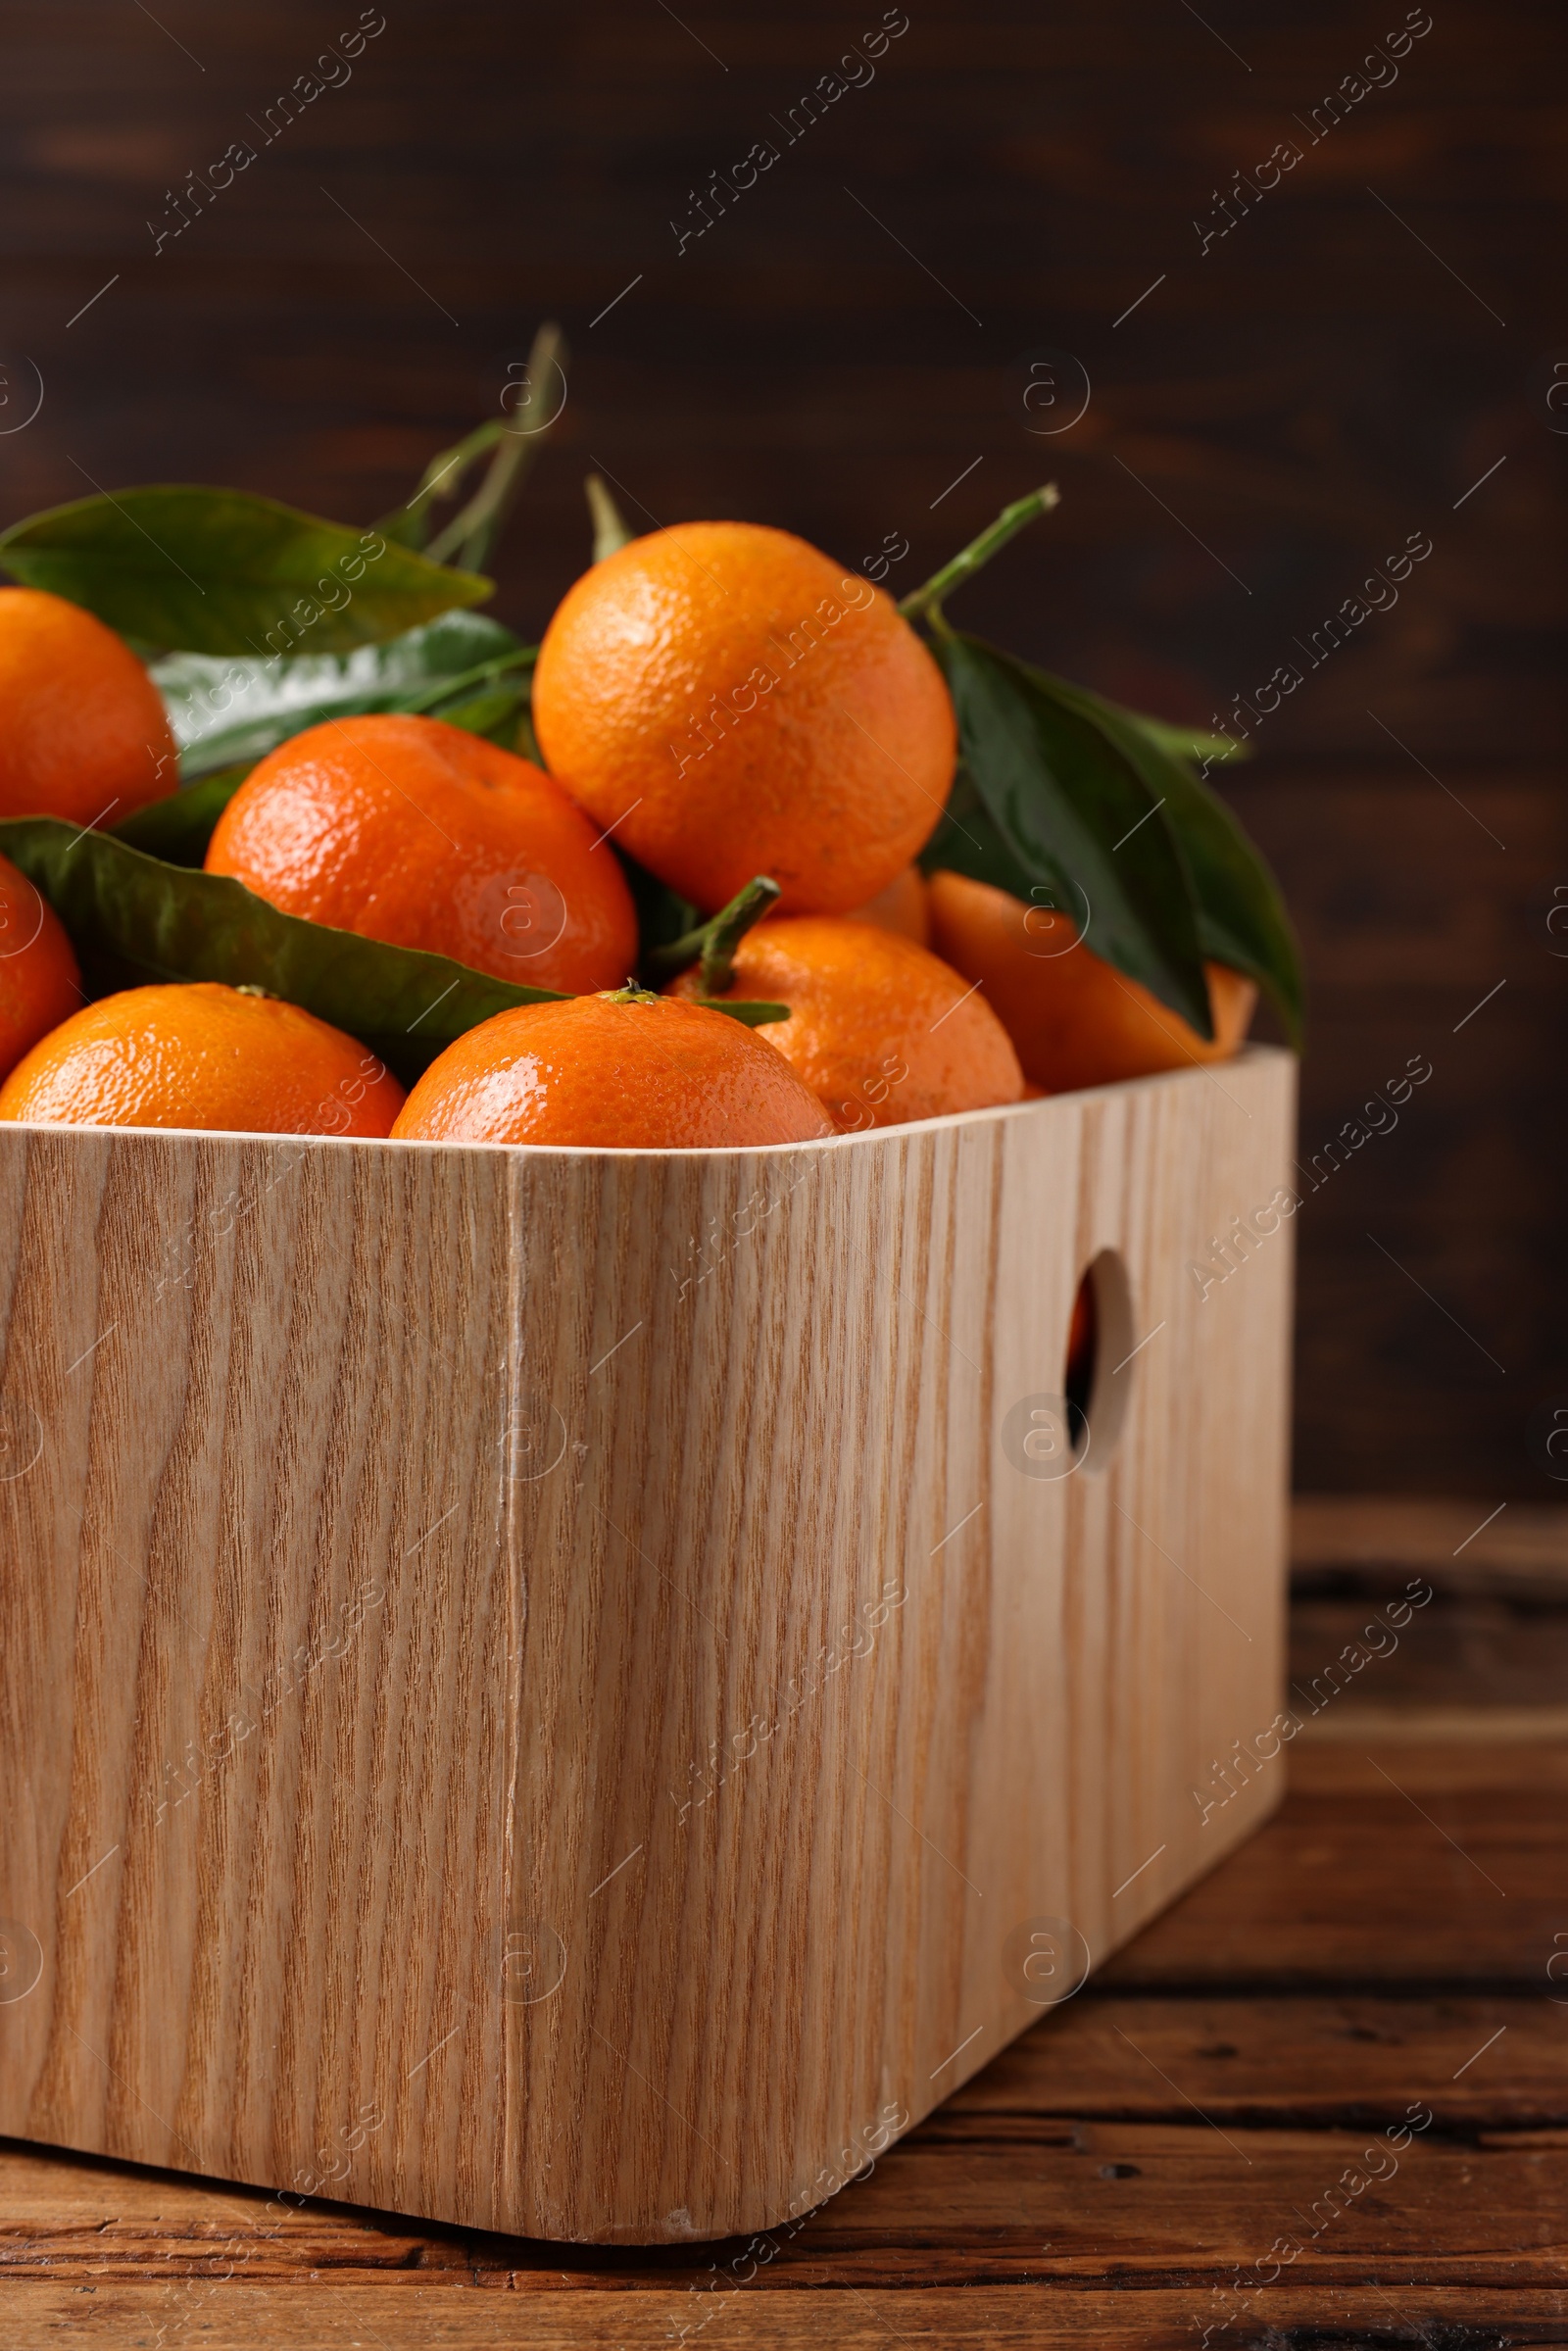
(712, 946)
(980, 550)
(458, 459)
(471, 535)
(443, 477)
(442, 689)
(611, 530)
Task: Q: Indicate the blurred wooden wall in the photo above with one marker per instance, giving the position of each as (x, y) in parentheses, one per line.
(1285, 405)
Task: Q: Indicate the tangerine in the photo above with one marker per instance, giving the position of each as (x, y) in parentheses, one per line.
(199, 1054)
(83, 732)
(413, 831)
(39, 982)
(734, 704)
(1074, 1018)
(879, 1028)
(622, 1070)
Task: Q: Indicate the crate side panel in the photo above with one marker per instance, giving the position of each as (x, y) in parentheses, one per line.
(1167, 1538)
(776, 1865)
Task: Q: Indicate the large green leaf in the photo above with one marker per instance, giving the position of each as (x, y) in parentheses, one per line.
(499, 713)
(220, 571)
(1076, 817)
(135, 919)
(968, 841)
(226, 710)
(178, 827)
(1241, 918)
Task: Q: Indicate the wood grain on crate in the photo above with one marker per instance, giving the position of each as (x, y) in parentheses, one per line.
(470, 1903)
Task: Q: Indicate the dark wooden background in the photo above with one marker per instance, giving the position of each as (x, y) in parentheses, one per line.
(1273, 418)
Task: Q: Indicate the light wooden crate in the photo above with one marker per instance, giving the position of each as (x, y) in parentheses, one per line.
(558, 1691)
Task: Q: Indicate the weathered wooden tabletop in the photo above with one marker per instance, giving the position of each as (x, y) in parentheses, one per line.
(1323, 2102)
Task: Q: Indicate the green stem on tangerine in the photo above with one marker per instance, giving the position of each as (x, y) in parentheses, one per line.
(750, 1015)
(969, 559)
(712, 946)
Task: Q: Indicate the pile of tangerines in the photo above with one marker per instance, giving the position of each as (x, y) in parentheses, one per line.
(767, 738)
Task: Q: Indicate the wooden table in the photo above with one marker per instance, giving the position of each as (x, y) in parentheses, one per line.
(1349, 2045)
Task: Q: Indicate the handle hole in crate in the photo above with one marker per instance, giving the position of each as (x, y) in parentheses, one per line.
(1096, 1381)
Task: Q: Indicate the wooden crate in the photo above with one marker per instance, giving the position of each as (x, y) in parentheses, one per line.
(580, 1692)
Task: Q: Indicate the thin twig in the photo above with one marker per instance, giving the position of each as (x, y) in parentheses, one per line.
(968, 559)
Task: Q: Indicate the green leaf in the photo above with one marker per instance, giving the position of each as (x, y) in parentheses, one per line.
(1242, 915)
(225, 710)
(525, 743)
(1182, 742)
(1075, 815)
(662, 914)
(968, 841)
(135, 919)
(178, 828)
(405, 526)
(494, 715)
(220, 571)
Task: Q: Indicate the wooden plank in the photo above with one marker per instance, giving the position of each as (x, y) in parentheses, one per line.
(1419, 941)
(1371, 1726)
(1027, 2318)
(1419, 1865)
(1266, 2064)
(1342, 2058)
(1065, 2197)
(1101, 2201)
(1257, 2069)
(1525, 1547)
(1475, 1655)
